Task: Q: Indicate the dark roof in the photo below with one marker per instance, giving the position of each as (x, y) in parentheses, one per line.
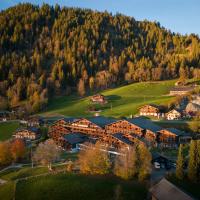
(123, 139)
(69, 119)
(165, 190)
(101, 121)
(75, 138)
(145, 124)
(32, 129)
(177, 132)
(153, 105)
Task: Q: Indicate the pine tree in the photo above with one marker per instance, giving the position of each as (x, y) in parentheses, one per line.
(192, 166)
(180, 164)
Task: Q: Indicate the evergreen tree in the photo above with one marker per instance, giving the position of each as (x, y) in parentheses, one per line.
(193, 161)
(180, 163)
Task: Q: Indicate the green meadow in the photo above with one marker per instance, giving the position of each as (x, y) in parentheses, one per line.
(7, 129)
(122, 101)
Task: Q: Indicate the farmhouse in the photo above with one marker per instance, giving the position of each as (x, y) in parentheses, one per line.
(150, 110)
(171, 137)
(165, 190)
(27, 134)
(98, 98)
(173, 115)
(182, 90)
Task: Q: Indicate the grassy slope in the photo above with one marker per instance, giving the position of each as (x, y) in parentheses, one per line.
(125, 100)
(75, 187)
(6, 129)
(69, 186)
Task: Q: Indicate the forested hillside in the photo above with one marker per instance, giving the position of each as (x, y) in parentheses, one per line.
(47, 51)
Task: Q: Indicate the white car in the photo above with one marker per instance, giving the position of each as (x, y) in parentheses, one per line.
(157, 165)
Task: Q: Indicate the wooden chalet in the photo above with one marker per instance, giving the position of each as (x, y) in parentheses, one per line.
(171, 137)
(93, 126)
(27, 134)
(60, 128)
(150, 110)
(149, 128)
(165, 190)
(173, 115)
(98, 98)
(181, 90)
(124, 126)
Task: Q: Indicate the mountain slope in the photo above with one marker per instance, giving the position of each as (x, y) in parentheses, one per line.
(49, 51)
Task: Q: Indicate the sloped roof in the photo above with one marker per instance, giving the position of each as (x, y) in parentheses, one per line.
(192, 107)
(183, 88)
(178, 111)
(32, 129)
(145, 124)
(75, 138)
(177, 132)
(123, 139)
(165, 190)
(101, 121)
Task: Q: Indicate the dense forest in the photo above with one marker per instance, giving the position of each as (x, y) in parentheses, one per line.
(47, 51)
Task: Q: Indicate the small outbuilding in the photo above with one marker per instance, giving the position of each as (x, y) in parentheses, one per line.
(98, 98)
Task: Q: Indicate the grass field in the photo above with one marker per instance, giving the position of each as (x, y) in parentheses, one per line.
(75, 187)
(122, 101)
(67, 186)
(7, 129)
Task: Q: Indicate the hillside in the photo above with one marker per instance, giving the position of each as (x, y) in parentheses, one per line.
(49, 51)
(122, 101)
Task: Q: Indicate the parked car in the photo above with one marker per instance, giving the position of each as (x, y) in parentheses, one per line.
(157, 165)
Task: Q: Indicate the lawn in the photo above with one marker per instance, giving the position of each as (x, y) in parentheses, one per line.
(122, 101)
(67, 186)
(75, 187)
(7, 129)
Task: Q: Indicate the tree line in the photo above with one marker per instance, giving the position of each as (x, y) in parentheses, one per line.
(47, 51)
(189, 166)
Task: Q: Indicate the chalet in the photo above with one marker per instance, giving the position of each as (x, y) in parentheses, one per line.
(182, 90)
(150, 110)
(34, 121)
(171, 137)
(27, 134)
(71, 141)
(98, 98)
(150, 129)
(173, 115)
(117, 140)
(92, 126)
(192, 108)
(165, 190)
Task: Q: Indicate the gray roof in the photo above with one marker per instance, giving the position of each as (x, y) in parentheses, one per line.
(145, 124)
(177, 132)
(75, 138)
(101, 121)
(123, 139)
(165, 190)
